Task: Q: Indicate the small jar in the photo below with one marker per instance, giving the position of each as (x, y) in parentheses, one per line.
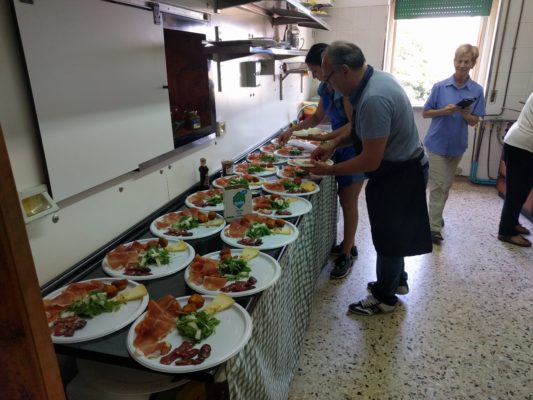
(227, 167)
(193, 120)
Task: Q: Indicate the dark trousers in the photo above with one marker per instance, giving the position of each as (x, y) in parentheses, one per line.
(518, 184)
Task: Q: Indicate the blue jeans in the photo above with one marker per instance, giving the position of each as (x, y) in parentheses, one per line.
(391, 273)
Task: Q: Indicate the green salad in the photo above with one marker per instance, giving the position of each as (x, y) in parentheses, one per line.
(268, 158)
(92, 305)
(258, 230)
(154, 256)
(187, 222)
(238, 181)
(197, 326)
(234, 268)
(291, 186)
(216, 199)
(255, 168)
(280, 204)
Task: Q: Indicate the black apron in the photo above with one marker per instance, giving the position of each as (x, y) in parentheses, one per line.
(396, 200)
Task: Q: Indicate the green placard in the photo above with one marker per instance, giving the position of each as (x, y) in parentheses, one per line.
(410, 9)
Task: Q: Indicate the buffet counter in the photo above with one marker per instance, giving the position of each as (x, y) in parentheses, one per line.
(265, 367)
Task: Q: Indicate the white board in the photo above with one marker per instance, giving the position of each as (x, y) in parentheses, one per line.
(97, 71)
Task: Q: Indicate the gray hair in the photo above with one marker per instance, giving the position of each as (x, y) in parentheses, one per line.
(341, 52)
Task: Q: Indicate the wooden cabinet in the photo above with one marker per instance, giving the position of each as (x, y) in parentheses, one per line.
(527, 208)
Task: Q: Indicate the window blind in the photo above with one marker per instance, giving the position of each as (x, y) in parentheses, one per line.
(410, 9)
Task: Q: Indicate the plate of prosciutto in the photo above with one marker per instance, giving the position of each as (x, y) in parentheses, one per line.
(291, 187)
(207, 200)
(188, 224)
(147, 259)
(257, 169)
(187, 334)
(293, 152)
(260, 232)
(253, 182)
(290, 171)
(266, 158)
(94, 308)
(278, 206)
(236, 272)
(269, 148)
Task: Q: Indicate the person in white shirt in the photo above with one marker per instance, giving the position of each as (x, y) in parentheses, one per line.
(518, 157)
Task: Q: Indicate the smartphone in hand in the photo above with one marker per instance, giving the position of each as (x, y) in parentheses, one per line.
(466, 102)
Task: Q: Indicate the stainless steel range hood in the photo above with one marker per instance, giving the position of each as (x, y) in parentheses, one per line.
(282, 12)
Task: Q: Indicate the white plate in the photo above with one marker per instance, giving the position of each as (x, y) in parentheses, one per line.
(105, 323)
(268, 170)
(295, 162)
(253, 185)
(299, 206)
(197, 233)
(317, 189)
(305, 154)
(264, 268)
(178, 261)
(218, 207)
(269, 242)
(280, 160)
(230, 337)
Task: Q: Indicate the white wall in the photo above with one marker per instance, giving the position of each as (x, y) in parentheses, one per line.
(91, 219)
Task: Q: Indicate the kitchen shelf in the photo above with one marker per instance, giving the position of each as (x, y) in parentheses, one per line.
(224, 51)
(282, 12)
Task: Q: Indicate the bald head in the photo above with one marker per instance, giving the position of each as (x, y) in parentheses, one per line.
(343, 66)
(341, 52)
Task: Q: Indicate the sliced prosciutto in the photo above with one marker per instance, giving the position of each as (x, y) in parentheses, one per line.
(171, 218)
(232, 180)
(202, 267)
(238, 227)
(156, 325)
(73, 292)
(201, 199)
(292, 172)
(126, 255)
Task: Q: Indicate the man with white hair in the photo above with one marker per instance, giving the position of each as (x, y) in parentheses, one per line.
(391, 154)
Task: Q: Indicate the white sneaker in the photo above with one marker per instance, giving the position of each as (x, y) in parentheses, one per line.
(370, 306)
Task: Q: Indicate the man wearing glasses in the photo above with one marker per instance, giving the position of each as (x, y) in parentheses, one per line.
(391, 154)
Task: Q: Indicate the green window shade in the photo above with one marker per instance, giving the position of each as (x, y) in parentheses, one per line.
(410, 9)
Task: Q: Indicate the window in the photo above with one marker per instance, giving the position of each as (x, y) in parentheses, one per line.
(421, 48)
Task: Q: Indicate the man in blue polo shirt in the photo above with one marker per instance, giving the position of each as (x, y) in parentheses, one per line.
(447, 137)
(389, 151)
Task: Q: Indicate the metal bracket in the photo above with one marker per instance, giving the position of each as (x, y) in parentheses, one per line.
(157, 14)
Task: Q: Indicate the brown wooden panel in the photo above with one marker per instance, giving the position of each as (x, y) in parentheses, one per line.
(188, 75)
(28, 363)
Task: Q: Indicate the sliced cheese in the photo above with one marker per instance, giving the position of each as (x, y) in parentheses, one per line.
(285, 230)
(178, 246)
(248, 253)
(213, 222)
(291, 199)
(136, 293)
(308, 186)
(220, 303)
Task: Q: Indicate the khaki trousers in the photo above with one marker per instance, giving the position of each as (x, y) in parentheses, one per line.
(441, 174)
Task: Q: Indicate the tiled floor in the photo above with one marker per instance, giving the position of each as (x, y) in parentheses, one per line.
(465, 331)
